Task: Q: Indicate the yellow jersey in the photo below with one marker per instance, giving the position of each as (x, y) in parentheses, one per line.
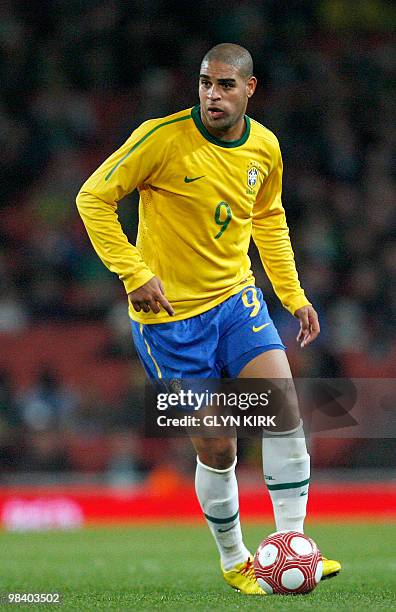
(201, 201)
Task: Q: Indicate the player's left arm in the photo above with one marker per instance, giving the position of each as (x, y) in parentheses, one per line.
(309, 325)
(271, 236)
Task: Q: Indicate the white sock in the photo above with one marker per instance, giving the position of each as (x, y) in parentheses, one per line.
(286, 466)
(217, 492)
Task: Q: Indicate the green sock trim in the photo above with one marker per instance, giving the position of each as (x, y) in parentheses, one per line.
(222, 521)
(287, 485)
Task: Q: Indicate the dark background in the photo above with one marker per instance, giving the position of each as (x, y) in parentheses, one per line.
(77, 78)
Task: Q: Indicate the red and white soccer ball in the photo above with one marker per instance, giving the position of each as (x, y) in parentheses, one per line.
(288, 563)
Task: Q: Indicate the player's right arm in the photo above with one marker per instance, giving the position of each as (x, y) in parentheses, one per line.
(149, 296)
(133, 164)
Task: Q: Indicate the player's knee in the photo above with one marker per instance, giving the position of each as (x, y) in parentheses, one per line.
(219, 454)
(286, 410)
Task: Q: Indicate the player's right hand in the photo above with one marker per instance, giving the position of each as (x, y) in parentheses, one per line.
(150, 296)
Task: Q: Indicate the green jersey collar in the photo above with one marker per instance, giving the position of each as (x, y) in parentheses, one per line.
(228, 144)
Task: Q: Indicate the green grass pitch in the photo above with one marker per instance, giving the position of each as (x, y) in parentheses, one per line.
(170, 567)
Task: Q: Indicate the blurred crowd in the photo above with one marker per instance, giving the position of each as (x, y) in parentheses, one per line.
(79, 77)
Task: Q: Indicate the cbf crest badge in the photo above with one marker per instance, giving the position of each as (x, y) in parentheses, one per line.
(252, 178)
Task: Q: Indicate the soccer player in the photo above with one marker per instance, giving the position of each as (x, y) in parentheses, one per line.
(209, 179)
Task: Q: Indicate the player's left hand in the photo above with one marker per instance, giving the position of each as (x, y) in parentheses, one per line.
(309, 325)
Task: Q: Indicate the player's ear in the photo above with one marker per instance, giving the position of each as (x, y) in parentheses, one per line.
(251, 86)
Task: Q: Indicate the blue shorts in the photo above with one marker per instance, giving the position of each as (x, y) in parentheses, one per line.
(215, 344)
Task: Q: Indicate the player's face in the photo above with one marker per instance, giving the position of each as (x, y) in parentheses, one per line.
(224, 94)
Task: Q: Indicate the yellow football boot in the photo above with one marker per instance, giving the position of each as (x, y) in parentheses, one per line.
(241, 577)
(330, 568)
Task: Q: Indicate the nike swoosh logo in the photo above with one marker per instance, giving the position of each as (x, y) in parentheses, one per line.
(191, 180)
(224, 530)
(256, 329)
(303, 493)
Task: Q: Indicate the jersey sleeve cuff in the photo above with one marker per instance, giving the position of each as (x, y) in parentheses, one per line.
(137, 280)
(298, 303)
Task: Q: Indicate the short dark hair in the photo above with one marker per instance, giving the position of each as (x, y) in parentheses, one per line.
(231, 54)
